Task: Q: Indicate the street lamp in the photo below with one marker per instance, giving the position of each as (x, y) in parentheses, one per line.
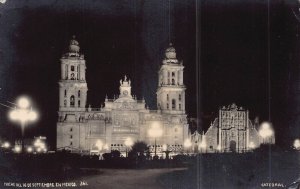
(17, 149)
(5, 145)
(23, 114)
(29, 149)
(297, 144)
(155, 131)
(266, 131)
(128, 144)
(40, 145)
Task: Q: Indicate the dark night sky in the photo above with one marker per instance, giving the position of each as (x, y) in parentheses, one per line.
(129, 37)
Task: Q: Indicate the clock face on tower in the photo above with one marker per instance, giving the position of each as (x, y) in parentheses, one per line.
(125, 93)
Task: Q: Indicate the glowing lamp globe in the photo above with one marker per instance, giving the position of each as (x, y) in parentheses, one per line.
(6, 145)
(17, 149)
(29, 149)
(187, 143)
(23, 102)
(297, 144)
(128, 142)
(32, 116)
(13, 115)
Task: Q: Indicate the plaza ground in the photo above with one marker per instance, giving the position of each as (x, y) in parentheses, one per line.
(251, 170)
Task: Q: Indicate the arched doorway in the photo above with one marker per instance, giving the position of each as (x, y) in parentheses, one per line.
(232, 146)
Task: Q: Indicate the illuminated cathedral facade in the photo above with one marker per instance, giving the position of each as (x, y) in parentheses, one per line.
(125, 119)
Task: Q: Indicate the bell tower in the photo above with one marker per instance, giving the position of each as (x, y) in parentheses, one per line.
(72, 85)
(171, 90)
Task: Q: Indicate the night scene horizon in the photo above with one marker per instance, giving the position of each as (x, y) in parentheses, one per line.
(229, 51)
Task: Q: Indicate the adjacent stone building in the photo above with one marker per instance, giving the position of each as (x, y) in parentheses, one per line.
(231, 131)
(97, 130)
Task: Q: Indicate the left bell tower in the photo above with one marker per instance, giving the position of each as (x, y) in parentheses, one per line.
(72, 85)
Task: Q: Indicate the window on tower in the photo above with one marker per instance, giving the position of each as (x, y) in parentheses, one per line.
(72, 76)
(72, 101)
(167, 96)
(173, 104)
(78, 103)
(173, 74)
(179, 97)
(167, 105)
(65, 93)
(72, 68)
(79, 93)
(173, 81)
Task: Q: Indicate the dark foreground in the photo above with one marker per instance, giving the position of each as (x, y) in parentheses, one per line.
(253, 170)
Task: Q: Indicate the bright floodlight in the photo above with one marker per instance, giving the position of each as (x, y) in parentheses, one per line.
(187, 143)
(99, 144)
(297, 144)
(29, 149)
(32, 116)
(6, 145)
(23, 102)
(13, 115)
(128, 142)
(266, 130)
(39, 150)
(17, 149)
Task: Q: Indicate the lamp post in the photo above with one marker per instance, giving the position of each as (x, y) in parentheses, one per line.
(266, 131)
(23, 114)
(154, 132)
(128, 143)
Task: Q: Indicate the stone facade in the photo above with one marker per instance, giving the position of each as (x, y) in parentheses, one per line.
(231, 131)
(88, 130)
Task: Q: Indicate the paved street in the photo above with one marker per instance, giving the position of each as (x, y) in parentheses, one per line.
(129, 179)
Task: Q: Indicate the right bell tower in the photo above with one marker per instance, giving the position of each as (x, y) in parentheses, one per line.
(171, 90)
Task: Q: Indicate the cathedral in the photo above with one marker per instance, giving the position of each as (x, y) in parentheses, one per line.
(125, 119)
(122, 120)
